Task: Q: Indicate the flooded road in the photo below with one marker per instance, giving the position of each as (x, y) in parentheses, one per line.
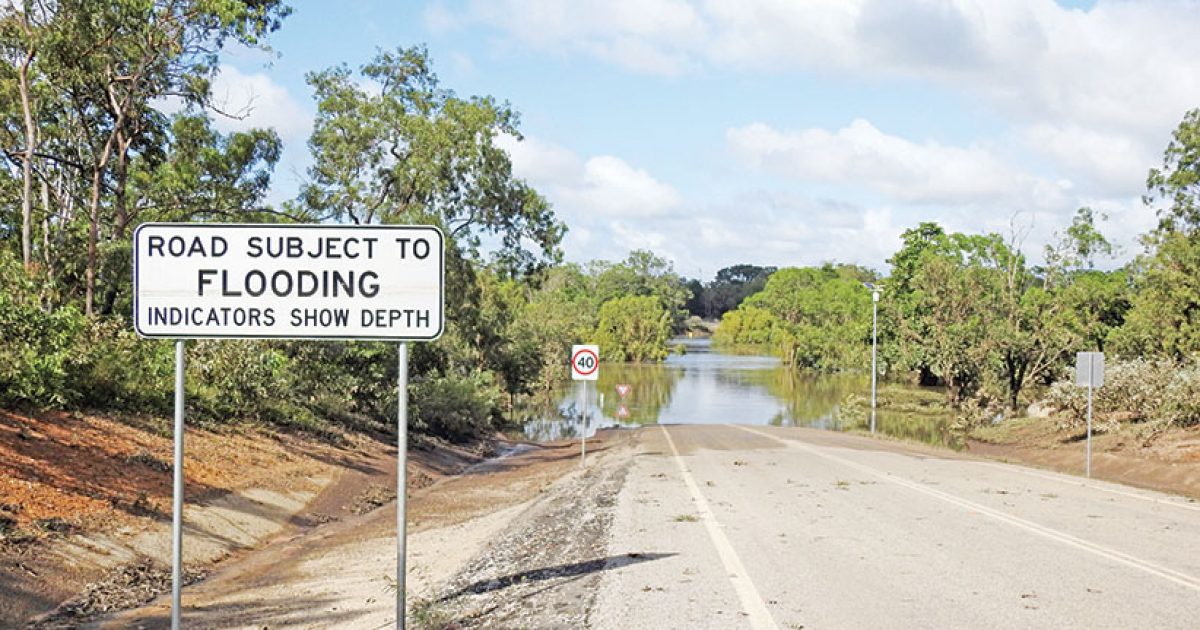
(705, 386)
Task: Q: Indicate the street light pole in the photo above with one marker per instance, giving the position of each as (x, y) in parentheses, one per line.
(874, 345)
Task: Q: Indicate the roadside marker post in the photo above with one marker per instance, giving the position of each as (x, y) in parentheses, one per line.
(281, 281)
(1089, 372)
(585, 366)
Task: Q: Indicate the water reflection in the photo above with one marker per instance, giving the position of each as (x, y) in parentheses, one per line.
(702, 386)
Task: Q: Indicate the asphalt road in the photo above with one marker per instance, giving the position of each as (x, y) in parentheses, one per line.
(765, 527)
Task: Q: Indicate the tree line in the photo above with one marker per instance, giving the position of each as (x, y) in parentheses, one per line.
(970, 313)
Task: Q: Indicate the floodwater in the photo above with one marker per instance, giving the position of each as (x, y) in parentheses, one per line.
(704, 386)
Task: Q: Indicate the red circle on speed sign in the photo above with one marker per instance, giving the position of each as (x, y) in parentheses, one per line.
(580, 361)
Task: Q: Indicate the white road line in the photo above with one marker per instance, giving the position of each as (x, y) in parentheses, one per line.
(752, 602)
(1069, 480)
(1178, 577)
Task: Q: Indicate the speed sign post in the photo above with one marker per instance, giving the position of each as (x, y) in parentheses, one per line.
(585, 366)
(288, 281)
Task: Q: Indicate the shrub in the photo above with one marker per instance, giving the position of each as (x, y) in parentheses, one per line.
(454, 406)
(1135, 390)
(35, 345)
(633, 328)
(113, 369)
(241, 380)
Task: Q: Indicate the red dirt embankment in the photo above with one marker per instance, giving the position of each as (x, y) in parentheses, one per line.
(1168, 460)
(83, 495)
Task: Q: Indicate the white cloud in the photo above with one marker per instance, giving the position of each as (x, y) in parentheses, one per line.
(611, 187)
(255, 100)
(653, 36)
(1111, 163)
(1120, 74)
(897, 168)
(603, 186)
(542, 163)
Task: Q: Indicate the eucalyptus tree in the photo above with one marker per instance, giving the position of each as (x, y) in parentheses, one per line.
(102, 66)
(1164, 318)
(390, 145)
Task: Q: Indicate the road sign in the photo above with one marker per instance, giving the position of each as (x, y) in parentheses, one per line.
(247, 281)
(622, 412)
(623, 390)
(1089, 373)
(1089, 369)
(252, 281)
(585, 362)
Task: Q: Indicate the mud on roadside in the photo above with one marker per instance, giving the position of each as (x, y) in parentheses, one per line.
(544, 568)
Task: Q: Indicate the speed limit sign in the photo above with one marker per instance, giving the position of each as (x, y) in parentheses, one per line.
(585, 363)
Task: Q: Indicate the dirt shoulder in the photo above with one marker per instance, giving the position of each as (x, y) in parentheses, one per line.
(1168, 461)
(342, 574)
(85, 503)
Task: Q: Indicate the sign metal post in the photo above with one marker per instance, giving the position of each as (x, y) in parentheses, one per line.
(401, 486)
(280, 281)
(177, 500)
(1089, 372)
(583, 410)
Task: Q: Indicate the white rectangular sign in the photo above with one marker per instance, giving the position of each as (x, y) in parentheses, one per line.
(1089, 369)
(585, 363)
(252, 281)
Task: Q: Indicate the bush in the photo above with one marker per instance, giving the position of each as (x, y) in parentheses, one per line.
(230, 381)
(455, 406)
(34, 353)
(114, 369)
(35, 345)
(633, 328)
(1135, 390)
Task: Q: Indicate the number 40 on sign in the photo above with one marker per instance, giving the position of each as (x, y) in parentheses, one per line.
(585, 362)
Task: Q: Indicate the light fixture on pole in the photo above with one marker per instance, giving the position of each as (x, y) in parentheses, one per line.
(874, 343)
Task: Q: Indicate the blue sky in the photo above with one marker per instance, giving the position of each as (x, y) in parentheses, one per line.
(777, 132)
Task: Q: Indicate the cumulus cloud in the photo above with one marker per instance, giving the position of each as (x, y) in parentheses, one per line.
(1120, 74)
(602, 186)
(899, 169)
(255, 100)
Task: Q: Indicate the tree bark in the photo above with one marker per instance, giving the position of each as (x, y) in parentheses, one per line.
(27, 161)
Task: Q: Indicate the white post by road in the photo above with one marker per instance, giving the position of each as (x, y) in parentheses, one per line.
(874, 349)
(874, 343)
(177, 501)
(583, 422)
(1091, 387)
(1089, 372)
(401, 485)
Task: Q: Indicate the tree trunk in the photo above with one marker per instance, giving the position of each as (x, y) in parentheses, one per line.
(93, 237)
(27, 163)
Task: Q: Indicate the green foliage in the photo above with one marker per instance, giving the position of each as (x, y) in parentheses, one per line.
(1164, 319)
(726, 292)
(389, 145)
(1137, 390)
(37, 346)
(642, 274)
(815, 317)
(1096, 303)
(633, 328)
(114, 369)
(1076, 249)
(457, 406)
(1177, 182)
(750, 326)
